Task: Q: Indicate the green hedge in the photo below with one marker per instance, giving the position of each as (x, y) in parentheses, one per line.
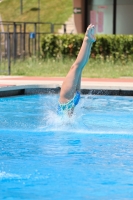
(106, 48)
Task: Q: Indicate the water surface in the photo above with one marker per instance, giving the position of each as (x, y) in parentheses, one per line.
(88, 156)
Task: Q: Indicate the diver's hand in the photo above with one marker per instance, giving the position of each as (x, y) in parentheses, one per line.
(90, 33)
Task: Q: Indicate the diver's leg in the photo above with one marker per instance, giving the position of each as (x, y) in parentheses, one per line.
(79, 84)
(73, 77)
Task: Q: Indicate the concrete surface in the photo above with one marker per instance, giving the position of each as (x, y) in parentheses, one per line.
(8, 83)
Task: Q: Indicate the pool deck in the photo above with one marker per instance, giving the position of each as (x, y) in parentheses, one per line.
(9, 83)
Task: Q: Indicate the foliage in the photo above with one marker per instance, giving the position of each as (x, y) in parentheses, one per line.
(52, 46)
(61, 45)
(70, 46)
(110, 48)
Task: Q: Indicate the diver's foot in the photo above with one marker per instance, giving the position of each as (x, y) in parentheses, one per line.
(90, 33)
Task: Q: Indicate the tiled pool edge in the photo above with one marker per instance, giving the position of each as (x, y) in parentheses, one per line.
(55, 89)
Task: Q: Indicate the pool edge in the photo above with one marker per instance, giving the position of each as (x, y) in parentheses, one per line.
(55, 89)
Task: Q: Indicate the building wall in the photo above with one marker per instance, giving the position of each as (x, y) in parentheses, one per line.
(124, 17)
(79, 17)
(100, 13)
(102, 16)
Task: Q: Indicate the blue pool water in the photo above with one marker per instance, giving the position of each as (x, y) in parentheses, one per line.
(89, 156)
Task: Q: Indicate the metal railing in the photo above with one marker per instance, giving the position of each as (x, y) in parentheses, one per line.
(22, 39)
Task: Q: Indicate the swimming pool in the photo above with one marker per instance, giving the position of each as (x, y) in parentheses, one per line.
(88, 156)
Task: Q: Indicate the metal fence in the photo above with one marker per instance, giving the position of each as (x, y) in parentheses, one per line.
(20, 40)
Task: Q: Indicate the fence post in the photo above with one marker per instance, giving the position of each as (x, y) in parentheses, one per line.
(52, 28)
(14, 42)
(21, 7)
(21, 40)
(24, 32)
(65, 28)
(8, 53)
(0, 49)
(35, 37)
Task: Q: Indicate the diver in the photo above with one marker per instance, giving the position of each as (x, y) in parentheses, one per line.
(70, 89)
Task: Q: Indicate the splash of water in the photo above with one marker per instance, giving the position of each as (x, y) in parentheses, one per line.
(90, 116)
(93, 114)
